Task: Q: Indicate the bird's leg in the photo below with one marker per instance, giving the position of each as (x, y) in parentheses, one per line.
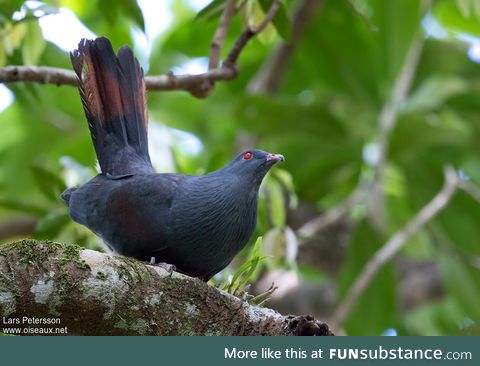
(170, 268)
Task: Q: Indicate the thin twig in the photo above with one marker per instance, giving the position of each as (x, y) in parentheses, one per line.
(197, 85)
(475, 262)
(471, 190)
(393, 245)
(386, 121)
(220, 34)
(248, 33)
(317, 224)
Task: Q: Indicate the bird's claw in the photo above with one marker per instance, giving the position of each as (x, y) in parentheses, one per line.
(170, 268)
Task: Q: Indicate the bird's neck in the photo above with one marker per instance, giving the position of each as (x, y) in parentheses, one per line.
(227, 188)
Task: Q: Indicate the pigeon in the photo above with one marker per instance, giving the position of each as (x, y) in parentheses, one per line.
(195, 223)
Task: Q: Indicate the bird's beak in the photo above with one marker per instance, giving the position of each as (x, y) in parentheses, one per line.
(275, 157)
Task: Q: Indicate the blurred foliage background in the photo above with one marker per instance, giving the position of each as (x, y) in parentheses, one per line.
(322, 112)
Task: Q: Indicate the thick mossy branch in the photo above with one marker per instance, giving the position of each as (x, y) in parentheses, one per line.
(92, 293)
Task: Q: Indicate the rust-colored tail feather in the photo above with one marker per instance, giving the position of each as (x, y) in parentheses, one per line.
(112, 89)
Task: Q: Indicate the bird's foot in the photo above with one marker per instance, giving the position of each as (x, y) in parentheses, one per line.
(170, 268)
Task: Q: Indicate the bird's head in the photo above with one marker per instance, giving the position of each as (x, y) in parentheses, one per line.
(254, 164)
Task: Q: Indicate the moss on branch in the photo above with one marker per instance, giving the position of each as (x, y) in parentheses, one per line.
(92, 293)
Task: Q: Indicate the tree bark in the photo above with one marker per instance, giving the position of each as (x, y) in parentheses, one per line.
(92, 293)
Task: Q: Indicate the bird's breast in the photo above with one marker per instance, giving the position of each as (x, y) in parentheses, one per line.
(217, 221)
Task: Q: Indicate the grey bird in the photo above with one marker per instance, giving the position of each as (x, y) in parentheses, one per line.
(196, 223)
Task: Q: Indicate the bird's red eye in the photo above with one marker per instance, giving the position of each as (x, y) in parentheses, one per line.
(247, 156)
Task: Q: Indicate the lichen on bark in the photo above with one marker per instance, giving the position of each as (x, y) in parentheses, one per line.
(94, 293)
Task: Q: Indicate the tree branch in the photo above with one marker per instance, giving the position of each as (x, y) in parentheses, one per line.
(386, 121)
(37, 74)
(198, 85)
(220, 34)
(393, 245)
(57, 76)
(471, 189)
(248, 34)
(317, 224)
(373, 194)
(92, 293)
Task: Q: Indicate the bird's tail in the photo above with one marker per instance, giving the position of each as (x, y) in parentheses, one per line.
(112, 89)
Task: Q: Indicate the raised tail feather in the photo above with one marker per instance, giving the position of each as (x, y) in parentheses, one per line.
(112, 89)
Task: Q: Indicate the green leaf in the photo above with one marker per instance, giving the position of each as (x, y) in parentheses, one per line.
(13, 38)
(364, 10)
(469, 8)
(48, 182)
(211, 11)
(453, 18)
(280, 21)
(464, 7)
(33, 44)
(254, 16)
(132, 10)
(246, 271)
(110, 9)
(7, 8)
(245, 274)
